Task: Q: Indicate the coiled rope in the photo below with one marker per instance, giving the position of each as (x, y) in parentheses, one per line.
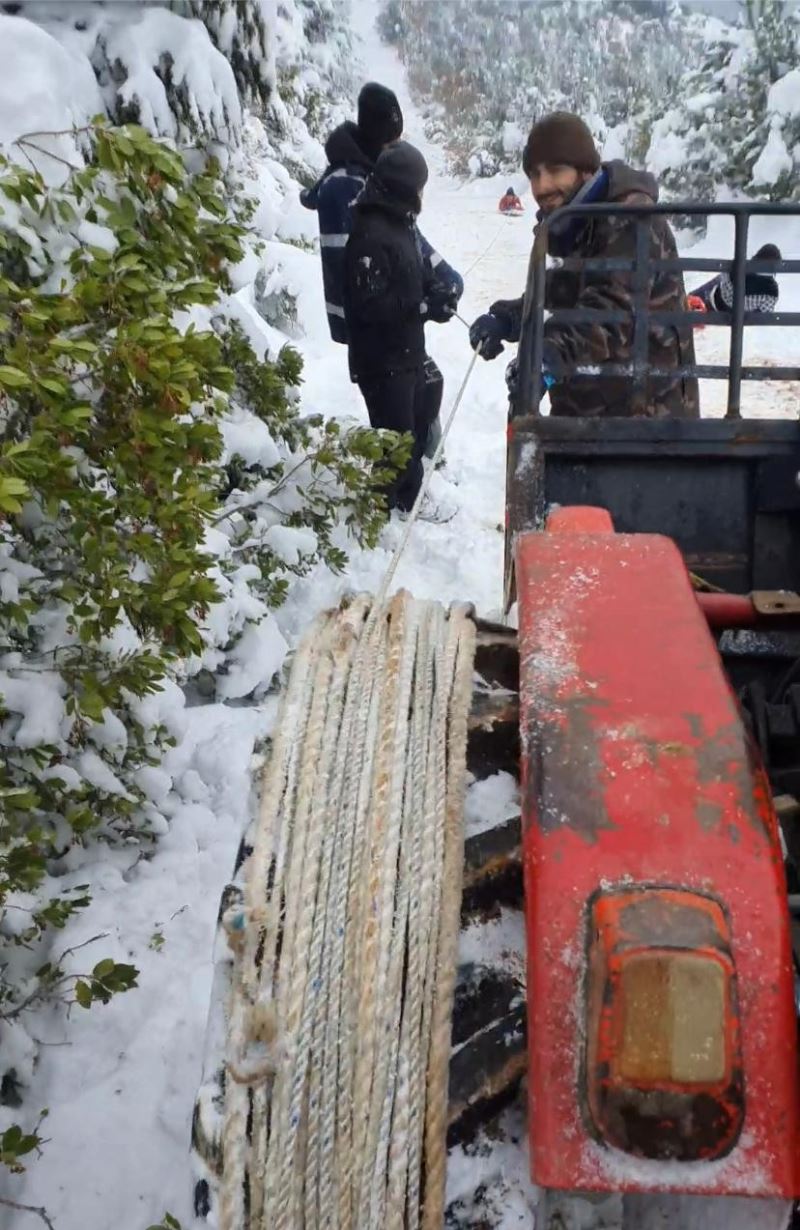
(345, 951)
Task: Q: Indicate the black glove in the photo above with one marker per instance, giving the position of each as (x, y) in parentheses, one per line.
(507, 312)
(487, 335)
(512, 380)
(442, 306)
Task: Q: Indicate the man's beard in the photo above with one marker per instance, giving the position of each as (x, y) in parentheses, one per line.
(550, 204)
(554, 201)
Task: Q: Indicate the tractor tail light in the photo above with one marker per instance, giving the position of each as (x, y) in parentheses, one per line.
(663, 1071)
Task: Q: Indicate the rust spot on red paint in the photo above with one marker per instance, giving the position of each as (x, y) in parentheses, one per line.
(555, 794)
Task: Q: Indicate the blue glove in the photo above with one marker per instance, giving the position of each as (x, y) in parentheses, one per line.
(488, 334)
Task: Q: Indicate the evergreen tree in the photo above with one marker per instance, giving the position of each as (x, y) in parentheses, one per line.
(239, 29)
(485, 69)
(737, 123)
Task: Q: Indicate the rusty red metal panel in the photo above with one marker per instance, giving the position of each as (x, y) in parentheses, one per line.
(728, 610)
(776, 610)
(580, 519)
(637, 771)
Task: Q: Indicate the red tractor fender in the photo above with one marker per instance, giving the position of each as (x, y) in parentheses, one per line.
(661, 1020)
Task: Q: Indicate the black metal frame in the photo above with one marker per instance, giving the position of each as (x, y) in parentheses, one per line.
(641, 267)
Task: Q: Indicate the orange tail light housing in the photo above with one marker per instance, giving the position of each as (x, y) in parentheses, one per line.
(663, 1072)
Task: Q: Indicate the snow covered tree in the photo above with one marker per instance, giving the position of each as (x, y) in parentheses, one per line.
(240, 30)
(314, 63)
(153, 66)
(737, 124)
(486, 69)
(184, 68)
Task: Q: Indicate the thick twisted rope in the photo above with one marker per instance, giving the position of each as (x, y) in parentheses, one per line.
(339, 1043)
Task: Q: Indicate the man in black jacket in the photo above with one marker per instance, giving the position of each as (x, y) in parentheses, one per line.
(384, 294)
(351, 150)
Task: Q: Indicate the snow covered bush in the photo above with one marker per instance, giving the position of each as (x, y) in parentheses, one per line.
(157, 488)
(240, 30)
(737, 123)
(152, 66)
(185, 68)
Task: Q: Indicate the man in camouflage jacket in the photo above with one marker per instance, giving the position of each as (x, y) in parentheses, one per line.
(563, 165)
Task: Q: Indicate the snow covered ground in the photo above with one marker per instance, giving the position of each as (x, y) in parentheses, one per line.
(120, 1081)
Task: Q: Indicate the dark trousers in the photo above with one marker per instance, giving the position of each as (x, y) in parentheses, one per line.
(434, 388)
(398, 402)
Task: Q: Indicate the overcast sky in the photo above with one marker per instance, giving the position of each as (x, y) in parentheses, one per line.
(723, 8)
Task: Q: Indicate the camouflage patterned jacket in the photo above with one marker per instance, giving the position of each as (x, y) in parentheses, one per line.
(590, 343)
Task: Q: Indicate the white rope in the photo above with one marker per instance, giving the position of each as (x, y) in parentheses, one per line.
(343, 979)
(486, 250)
(340, 1003)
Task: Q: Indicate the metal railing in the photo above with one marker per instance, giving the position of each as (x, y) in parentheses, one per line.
(641, 268)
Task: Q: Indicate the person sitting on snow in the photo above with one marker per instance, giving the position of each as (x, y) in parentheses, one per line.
(352, 150)
(563, 165)
(384, 291)
(760, 289)
(510, 203)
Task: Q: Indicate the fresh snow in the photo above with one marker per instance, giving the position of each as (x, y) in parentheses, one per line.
(490, 802)
(198, 69)
(44, 87)
(36, 706)
(119, 1081)
(774, 159)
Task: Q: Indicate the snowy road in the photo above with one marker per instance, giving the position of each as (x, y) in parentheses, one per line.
(120, 1081)
(463, 559)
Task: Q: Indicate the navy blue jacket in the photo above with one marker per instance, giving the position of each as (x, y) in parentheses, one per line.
(332, 197)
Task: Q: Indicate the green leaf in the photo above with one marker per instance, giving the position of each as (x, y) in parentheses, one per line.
(92, 705)
(129, 260)
(11, 485)
(10, 488)
(103, 968)
(13, 450)
(59, 387)
(13, 378)
(83, 994)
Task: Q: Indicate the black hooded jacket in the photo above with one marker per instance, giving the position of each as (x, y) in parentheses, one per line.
(384, 287)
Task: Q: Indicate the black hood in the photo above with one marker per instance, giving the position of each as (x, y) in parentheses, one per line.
(342, 150)
(380, 120)
(375, 195)
(342, 147)
(403, 172)
(396, 182)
